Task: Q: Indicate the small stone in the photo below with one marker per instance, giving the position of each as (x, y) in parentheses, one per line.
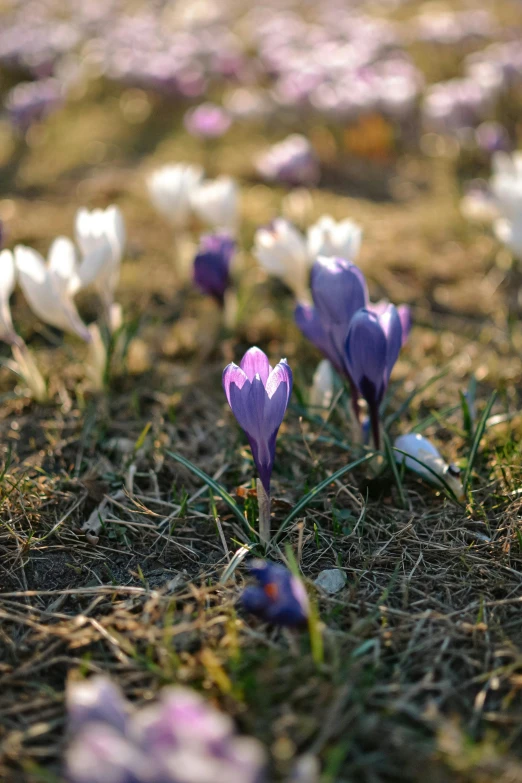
(331, 580)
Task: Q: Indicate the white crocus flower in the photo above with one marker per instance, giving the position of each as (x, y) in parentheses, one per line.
(506, 187)
(430, 464)
(281, 251)
(50, 287)
(321, 393)
(7, 284)
(101, 236)
(330, 238)
(171, 188)
(216, 203)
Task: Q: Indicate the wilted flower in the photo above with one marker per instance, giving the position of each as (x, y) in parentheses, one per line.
(171, 188)
(279, 597)
(321, 393)
(281, 251)
(180, 739)
(216, 203)
(330, 238)
(50, 287)
(101, 237)
(7, 284)
(291, 162)
(372, 348)
(258, 396)
(212, 265)
(425, 460)
(207, 121)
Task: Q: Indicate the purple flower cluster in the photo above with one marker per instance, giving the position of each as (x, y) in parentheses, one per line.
(179, 739)
(361, 340)
(336, 62)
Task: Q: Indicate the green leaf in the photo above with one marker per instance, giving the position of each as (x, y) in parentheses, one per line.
(479, 432)
(317, 490)
(141, 440)
(217, 488)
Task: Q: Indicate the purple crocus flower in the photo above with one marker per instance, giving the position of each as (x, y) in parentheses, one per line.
(258, 396)
(339, 291)
(212, 265)
(208, 121)
(279, 597)
(30, 102)
(372, 348)
(179, 739)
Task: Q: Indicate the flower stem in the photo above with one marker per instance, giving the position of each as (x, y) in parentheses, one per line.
(263, 501)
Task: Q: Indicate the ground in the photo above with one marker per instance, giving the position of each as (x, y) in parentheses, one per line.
(420, 668)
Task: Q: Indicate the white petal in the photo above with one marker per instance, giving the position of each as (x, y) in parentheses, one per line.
(7, 283)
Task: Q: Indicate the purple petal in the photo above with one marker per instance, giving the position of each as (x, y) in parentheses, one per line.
(96, 700)
(280, 374)
(406, 321)
(255, 362)
(233, 374)
(366, 352)
(338, 290)
(309, 322)
(392, 328)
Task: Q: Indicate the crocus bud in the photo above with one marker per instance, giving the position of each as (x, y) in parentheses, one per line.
(423, 455)
(216, 203)
(279, 597)
(101, 236)
(321, 393)
(208, 121)
(50, 288)
(7, 284)
(258, 396)
(372, 348)
(329, 238)
(339, 291)
(170, 190)
(212, 265)
(281, 251)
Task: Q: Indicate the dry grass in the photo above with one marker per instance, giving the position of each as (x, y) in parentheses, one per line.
(422, 666)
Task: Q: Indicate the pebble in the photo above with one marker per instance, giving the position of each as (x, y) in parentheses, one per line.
(331, 580)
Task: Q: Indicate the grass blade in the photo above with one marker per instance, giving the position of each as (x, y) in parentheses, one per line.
(393, 465)
(406, 404)
(317, 490)
(479, 432)
(438, 481)
(215, 487)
